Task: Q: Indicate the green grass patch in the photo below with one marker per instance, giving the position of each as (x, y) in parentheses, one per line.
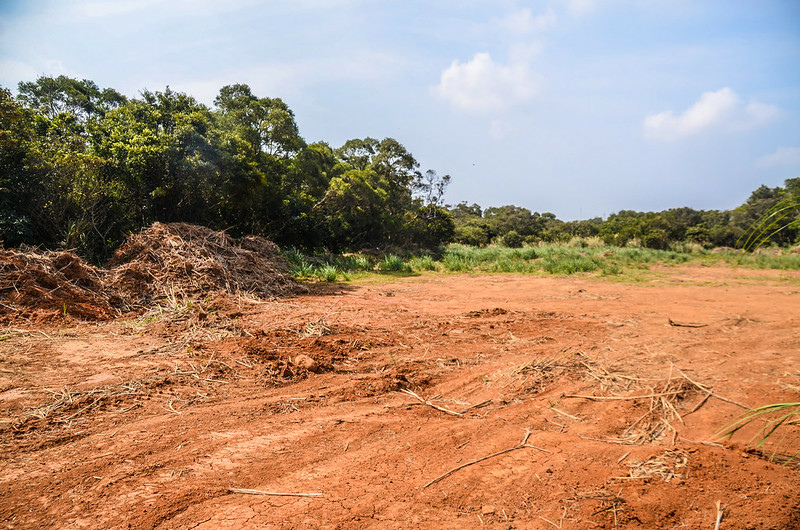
(424, 263)
(393, 263)
(328, 273)
(623, 264)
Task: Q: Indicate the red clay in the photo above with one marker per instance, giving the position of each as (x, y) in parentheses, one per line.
(162, 422)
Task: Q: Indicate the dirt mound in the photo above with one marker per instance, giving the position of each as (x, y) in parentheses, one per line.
(52, 285)
(178, 259)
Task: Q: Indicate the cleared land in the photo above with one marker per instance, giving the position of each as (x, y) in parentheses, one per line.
(508, 401)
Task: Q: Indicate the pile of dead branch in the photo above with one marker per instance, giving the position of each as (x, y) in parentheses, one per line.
(195, 261)
(178, 261)
(53, 284)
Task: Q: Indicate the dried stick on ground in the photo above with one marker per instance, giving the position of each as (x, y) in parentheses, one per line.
(522, 445)
(685, 325)
(708, 391)
(272, 493)
(625, 398)
(426, 402)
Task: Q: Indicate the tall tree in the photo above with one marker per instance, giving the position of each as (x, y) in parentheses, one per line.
(81, 98)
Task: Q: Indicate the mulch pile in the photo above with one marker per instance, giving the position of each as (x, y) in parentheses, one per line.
(176, 260)
(53, 284)
(191, 261)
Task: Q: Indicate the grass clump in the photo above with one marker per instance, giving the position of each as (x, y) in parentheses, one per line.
(354, 263)
(328, 273)
(393, 263)
(569, 264)
(423, 263)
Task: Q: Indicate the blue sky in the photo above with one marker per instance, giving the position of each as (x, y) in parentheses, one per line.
(577, 107)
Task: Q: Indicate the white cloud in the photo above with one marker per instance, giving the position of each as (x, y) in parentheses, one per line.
(782, 157)
(720, 109)
(482, 85)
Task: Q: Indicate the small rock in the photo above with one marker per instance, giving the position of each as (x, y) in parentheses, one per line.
(305, 362)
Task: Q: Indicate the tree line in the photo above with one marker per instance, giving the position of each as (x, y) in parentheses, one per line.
(513, 225)
(81, 167)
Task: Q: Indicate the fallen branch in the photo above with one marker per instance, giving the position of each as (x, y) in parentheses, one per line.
(700, 404)
(710, 392)
(565, 414)
(625, 398)
(478, 406)
(426, 402)
(685, 325)
(272, 493)
(522, 445)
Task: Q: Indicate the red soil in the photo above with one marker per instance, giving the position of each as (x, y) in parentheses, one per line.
(162, 421)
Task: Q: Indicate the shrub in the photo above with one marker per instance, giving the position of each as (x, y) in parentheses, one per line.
(513, 240)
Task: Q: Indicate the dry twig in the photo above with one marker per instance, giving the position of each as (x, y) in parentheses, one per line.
(426, 402)
(626, 398)
(719, 515)
(522, 445)
(686, 325)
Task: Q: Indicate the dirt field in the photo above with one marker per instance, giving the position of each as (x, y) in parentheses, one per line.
(426, 402)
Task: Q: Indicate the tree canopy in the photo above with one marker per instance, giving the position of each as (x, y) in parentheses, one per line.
(82, 166)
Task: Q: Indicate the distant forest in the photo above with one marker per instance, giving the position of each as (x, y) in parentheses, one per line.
(81, 167)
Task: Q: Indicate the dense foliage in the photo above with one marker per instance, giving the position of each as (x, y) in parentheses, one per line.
(773, 213)
(81, 167)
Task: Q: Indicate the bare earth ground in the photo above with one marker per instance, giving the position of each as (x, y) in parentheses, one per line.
(165, 421)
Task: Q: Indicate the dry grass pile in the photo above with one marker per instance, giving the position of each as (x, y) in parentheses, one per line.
(53, 284)
(671, 464)
(195, 261)
(163, 261)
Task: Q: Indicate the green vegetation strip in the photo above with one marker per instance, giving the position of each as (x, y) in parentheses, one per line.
(563, 259)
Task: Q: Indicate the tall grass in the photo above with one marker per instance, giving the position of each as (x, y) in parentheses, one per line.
(393, 263)
(423, 263)
(353, 262)
(579, 256)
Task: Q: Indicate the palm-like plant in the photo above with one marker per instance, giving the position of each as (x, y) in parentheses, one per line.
(775, 416)
(785, 214)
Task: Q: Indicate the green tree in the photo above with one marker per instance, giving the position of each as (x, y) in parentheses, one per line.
(83, 99)
(15, 130)
(162, 153)
(262, 142)
(370, 195)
